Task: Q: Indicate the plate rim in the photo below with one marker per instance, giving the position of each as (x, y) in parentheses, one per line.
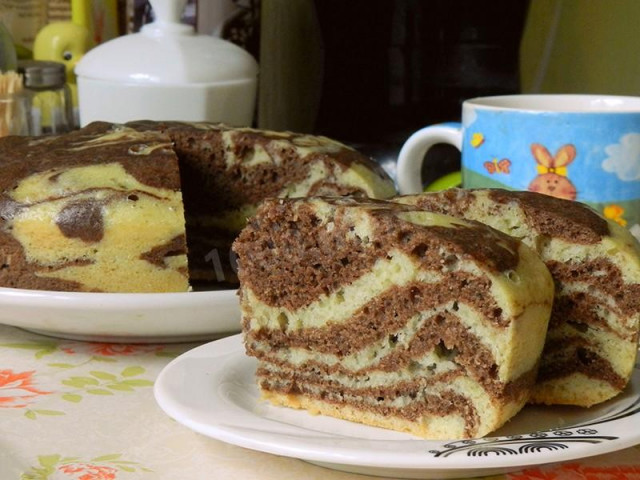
(60, 295)
(232, 346)
(122, 317)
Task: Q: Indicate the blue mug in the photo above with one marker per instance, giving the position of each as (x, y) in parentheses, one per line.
(578, 147)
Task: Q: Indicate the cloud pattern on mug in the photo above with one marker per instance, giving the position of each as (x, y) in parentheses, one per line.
(624, 158)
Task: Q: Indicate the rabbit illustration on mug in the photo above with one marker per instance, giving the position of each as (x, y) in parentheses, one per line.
(552, 171)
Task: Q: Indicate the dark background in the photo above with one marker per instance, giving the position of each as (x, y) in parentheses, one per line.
(394, 66)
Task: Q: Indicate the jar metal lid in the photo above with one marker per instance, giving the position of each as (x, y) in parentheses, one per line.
(42, 74)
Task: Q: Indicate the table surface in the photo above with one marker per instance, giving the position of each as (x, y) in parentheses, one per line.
(86, 411)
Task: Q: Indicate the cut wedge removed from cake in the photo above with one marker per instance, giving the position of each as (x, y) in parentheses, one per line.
(592, 342)
(382, 314)
(227, 171)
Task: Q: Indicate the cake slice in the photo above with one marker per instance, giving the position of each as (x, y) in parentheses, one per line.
(592, 342)
(99, 209)
(379, 313)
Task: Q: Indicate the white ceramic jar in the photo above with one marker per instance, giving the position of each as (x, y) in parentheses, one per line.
(167, 72)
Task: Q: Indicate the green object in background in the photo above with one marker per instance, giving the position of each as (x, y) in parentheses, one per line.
(8, 59)
(450, 180)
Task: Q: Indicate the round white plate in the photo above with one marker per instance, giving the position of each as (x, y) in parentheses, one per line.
(211, 389)
(123, 317)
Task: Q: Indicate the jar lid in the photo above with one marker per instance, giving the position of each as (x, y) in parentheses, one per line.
(167, 52)
(42, 74)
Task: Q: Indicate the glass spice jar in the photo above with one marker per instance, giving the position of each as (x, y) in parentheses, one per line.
(51, 104)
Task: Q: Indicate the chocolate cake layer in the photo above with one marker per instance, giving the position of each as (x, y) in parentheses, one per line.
(324, 262)
(371, 322)
(578, 355)
(595, 264)
(381, 313)
(438, 337)
(379, 401)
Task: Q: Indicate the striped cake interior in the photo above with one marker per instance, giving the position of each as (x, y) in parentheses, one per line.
(374, 312)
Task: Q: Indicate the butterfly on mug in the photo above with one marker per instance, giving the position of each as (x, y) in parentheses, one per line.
(477, 139)
(498, 166)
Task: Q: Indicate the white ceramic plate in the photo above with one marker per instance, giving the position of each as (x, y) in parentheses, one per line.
(123, 317)
(211, 389)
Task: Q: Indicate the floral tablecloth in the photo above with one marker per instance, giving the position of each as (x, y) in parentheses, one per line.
(85, 411)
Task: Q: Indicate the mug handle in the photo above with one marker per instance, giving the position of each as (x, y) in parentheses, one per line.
(411, 156)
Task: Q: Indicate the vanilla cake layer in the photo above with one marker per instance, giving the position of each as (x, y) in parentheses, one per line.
(378, 313)
(99, 209)
(593, 333)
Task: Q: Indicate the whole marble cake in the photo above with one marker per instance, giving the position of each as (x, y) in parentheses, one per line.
(593, 334)
(103, 208)
(383, 314)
